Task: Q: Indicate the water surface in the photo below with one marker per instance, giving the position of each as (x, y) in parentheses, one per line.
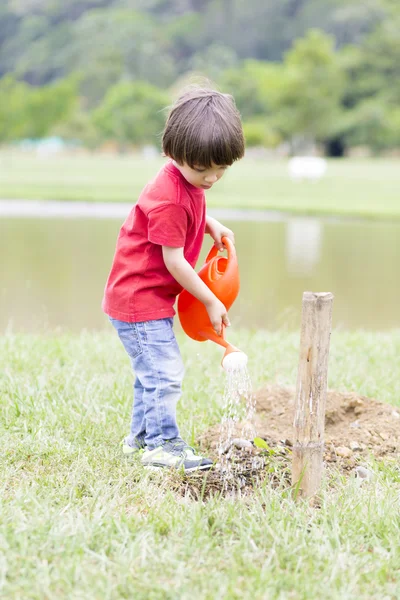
(53, 271)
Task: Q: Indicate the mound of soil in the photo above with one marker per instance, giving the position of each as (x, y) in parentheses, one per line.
(356, 428)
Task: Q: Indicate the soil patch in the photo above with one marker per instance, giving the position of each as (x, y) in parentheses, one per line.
(354, 425)
(356, 429)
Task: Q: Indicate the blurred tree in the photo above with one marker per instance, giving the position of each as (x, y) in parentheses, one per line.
(47, 39)
(261, 132)
(186, 37)
(348, 21)
(213, 61)
(79, 128)
(37, 51)
(49, 105)
(132, 113)
(307, 104)
(371, 123)
(128, 46)
(26, 111)
(230, 41)
(254, 84)
(372, 94)
(13, 118)
(374, 67)
(9, 24)
(57, 10)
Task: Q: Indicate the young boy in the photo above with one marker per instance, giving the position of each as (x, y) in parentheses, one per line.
(157, 249)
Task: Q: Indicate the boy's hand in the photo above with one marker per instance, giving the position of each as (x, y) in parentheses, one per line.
(187, 277)
(218, 315)
(218, 231)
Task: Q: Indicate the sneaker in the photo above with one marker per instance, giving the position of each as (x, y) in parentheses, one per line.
(134, 447)
(177, 454)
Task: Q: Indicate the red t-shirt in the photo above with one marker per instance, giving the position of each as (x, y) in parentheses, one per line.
(170, 212)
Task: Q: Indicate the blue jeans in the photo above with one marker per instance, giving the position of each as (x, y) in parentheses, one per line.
(158, 366)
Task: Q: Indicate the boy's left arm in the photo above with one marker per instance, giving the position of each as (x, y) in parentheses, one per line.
(218, 231)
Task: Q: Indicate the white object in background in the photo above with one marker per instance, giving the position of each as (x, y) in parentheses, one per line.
(307, 167)
(303, 245)
(149, 152)
(49, 147)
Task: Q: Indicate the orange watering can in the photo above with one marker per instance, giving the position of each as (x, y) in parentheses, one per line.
(221, 275)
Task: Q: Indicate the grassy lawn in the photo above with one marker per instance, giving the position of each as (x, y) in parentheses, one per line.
(368, 188)
(77, 521)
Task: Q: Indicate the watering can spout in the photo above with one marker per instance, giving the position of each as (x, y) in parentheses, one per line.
(233, 357)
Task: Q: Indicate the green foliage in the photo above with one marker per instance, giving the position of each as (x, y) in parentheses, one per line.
(79, 127)
(307, 69)
(26, 111)
(128, 46)
(372, 94)
(372, 123)
(254, 85)
(185, 35)
(44, 39)
(261, 443)
(132, 113)
(213, 61)
(49, 105)
(261, 132)
(39, 50)
(13, 96)
(308, 102)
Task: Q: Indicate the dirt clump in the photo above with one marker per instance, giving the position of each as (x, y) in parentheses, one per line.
(356, 429)
(355, 426)
(247, 471)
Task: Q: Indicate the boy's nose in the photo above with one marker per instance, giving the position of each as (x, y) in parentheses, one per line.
(211, 178)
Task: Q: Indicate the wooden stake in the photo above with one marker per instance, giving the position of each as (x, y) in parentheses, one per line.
(309, 418)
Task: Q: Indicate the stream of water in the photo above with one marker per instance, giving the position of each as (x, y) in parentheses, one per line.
(238, 407)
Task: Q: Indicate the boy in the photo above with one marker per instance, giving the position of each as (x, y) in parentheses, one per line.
(156, 252)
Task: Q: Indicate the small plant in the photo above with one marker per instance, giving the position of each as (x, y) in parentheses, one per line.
(260, 443)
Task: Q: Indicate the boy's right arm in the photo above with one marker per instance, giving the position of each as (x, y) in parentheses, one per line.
(187, 277)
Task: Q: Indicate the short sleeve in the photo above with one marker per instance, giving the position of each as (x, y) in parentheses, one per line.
(168, 225)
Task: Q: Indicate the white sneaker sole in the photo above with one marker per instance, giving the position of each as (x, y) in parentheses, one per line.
(191, 470)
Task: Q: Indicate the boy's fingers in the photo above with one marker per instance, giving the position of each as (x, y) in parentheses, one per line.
(218, 326)
(228, 235)
(225, 320)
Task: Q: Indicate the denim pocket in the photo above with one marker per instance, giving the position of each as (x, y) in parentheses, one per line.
(160, 330)
(128, 334)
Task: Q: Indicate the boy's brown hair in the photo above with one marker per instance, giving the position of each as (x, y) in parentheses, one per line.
(203, 127)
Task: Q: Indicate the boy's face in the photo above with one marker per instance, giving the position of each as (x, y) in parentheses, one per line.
(202, 177)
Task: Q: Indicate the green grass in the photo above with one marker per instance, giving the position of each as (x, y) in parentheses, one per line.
(78, 522)
(367, 188)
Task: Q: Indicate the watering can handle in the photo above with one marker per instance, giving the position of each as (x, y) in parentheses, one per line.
(228, 245)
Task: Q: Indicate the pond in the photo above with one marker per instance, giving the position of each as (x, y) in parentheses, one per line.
(53, 270)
